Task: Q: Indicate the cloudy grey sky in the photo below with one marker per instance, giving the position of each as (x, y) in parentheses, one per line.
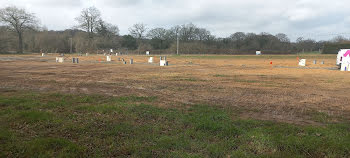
(318, 19)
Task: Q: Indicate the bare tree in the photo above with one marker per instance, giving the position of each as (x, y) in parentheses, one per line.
(106, 29)
(238, 36)
(187, 32)
(283, 37)
(138, 30)
(159, 33)
(339, 39)
(202, 34)
(160, 38)
(18, 20)
(89, 20)
(173, 32)
(305, 44)
(4, 38)
(238, 39)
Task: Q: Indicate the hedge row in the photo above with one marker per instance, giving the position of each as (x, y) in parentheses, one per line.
(333, 48)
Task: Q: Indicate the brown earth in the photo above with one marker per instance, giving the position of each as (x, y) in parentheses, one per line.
(281, 92)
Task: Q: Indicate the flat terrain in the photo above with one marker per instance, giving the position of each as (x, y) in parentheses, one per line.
(281, 92)
(242, 105)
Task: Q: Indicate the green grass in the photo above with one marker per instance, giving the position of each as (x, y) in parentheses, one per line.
(34, 116)
(310, 53)
(246, 81)
(52, 147)
(239, 79)
(189, 79)
(61, 125)
(220, 75)
(320, 117)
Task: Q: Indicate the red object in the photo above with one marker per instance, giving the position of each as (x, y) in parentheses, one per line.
(271, 62)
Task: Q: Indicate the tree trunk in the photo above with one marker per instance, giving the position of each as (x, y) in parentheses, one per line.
(20, 43)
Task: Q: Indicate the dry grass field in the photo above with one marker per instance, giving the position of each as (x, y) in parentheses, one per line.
(248, 86)
(281, 91)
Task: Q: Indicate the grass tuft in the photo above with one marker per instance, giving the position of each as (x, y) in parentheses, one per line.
(52, 147)
(34, 116)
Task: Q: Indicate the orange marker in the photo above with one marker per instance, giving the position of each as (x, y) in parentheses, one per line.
(271, 65)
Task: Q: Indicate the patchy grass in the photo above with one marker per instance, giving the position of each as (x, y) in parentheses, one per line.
(238, 78)
(221, 75)
(61, 125)
(189, 79)
(34, 116)
(312, 55)
(52, 147)
(246, 81)
(320, 117)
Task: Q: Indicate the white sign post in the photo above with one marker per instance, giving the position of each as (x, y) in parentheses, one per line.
(109, 58)
(150, 60)
(163, 63)
(302, 62)
(59, 59)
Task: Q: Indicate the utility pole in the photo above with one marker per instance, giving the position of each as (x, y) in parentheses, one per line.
(71, 45)
(177, 45)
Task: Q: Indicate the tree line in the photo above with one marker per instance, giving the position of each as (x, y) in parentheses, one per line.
(20, 31)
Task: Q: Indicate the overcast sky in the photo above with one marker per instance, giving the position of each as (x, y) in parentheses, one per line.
(318, 19)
